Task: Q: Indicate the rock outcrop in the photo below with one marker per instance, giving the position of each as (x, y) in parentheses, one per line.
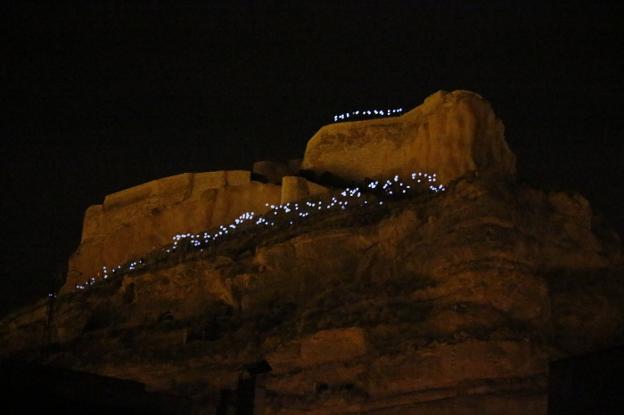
(450, 134)
(442, 303)
(142, 219)
(135, 221)
(433, 304)
(295, 188)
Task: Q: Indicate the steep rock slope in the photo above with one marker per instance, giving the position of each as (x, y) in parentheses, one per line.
(408, 302)
(452, 303)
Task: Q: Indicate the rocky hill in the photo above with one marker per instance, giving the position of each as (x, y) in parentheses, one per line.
(403, 296)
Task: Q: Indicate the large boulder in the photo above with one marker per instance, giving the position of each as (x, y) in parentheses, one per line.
(450, 134)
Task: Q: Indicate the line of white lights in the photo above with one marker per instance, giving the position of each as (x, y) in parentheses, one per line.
(292, 211)
(366, 113)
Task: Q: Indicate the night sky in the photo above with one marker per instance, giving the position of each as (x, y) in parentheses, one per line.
(105, 96)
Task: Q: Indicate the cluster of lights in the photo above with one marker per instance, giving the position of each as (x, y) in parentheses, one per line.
(403, 188)
(105, 273)
(199, 240)
(367, 113)
(286, 213)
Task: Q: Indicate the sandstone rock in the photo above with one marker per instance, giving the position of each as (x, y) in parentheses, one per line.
(141, 219)
(462, 298)
(443, 365)
(325, 346)
(333, 345)
(136, 221)
(450, 134)
(296, 188)
(157, 192)
(452, 303)
(237, 177)
(573, 205)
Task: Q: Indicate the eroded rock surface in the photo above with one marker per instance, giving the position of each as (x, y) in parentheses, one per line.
(445, 304)
(135, 221)
(450, 134)
(449, 303)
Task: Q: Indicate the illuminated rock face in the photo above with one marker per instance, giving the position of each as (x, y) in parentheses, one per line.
(135, 221)
(452, 303)
(445, 303)
(296, 188)
(142, 219)
(450, 134)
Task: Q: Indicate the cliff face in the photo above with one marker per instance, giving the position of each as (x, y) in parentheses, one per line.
(432, 303)
(450, 134)
(139, 220)
(449, 302)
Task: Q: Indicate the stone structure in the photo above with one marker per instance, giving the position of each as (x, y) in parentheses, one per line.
(443, 304)
(296, 188)
(447, 305)
(450, 134)
(136, 221)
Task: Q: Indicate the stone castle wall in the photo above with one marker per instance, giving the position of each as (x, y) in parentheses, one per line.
(450, 134)
(141, 219)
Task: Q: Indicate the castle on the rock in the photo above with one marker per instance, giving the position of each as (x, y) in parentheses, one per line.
(451, 134)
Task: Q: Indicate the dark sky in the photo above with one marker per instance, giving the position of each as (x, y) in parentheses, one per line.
(106, 95)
